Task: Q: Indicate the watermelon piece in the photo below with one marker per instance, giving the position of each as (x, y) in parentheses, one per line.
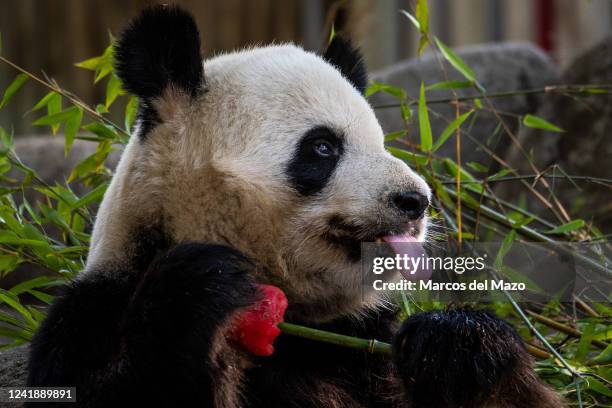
(256, 327)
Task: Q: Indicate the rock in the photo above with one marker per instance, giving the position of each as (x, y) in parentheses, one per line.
(584, 149)
(13, 366)
(498, 67)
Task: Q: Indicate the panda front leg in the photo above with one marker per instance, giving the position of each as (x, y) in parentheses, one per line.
(159, 339)
(466, 358)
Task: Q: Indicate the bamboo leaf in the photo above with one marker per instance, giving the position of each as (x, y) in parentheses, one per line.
(450, 129)
(73, 124)
(537, 122)
(412, 19)
(16, 334)
(598, 386)
(376, 87)
(45, 101)
(130, 112)
(605, 357)
(39, 282)
(568, 227)
(94, 195)
(448, 85)
(477, 167)
(12, 301)
(503, 250)
(500, 174)
(56, 118)
(424, 125)
(456, 62)
(113, 90)
(408, 156)
(12, 89)
(332, 34)
(395, 135)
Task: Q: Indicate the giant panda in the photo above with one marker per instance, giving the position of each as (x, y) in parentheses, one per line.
(265, 165)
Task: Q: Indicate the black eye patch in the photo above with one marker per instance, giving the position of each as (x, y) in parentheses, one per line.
(315, 158)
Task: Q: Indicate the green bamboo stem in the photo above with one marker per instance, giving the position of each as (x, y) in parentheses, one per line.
(372, 346)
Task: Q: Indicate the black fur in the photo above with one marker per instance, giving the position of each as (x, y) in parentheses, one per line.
(159, 48)
(455, 358)
(147, 339)
(143, 340)
(308, 172)
(341, 54)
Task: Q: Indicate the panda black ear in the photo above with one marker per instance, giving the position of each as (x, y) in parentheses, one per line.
(341, 54)
(160, 47)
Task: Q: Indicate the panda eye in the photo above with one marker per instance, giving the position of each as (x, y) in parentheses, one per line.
(323, 148)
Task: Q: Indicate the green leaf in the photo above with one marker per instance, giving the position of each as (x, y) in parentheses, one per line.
(39, 282)
(46, 100)
(585, 341)
(477, 167)
(94, 195)
(568, 227)
(10, 238)
(375, 87)
(102, 65)
(101, 130)
(605, 357)
(12, 301)
(130, 112)
(504, 248)
(16, 334)
(408, 156)
(8, 263)
(422, 16)
(448, 85)
(12, 89)
(395, 135)
(73, 124)
(412, 19)
(42, 296)
(500, 174)
(113, 90)
(537, 122)
(406, 113)
(450, 129)
(332, 34)
(597, 386)
(56, 118)
(456, 62)
(424, 125)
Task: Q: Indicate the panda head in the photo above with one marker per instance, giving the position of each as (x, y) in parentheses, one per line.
(272, 150)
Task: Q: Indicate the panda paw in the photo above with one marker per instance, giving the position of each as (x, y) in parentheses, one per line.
(455, 358)
(182, 289)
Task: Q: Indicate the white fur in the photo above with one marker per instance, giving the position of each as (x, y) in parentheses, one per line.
(214, 170)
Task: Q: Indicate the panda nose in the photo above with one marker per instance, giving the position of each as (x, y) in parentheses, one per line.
(410, 203)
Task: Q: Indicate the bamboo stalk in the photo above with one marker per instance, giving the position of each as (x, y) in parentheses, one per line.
(371, 345)
(570, 331)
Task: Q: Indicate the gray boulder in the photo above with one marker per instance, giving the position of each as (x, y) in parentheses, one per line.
(584, 149)
(13, 365)
(498, 68)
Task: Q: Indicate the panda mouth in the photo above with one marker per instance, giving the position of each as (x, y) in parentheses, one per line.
(349, 237)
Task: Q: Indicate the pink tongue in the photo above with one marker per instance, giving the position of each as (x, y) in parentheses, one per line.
(408, 245)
